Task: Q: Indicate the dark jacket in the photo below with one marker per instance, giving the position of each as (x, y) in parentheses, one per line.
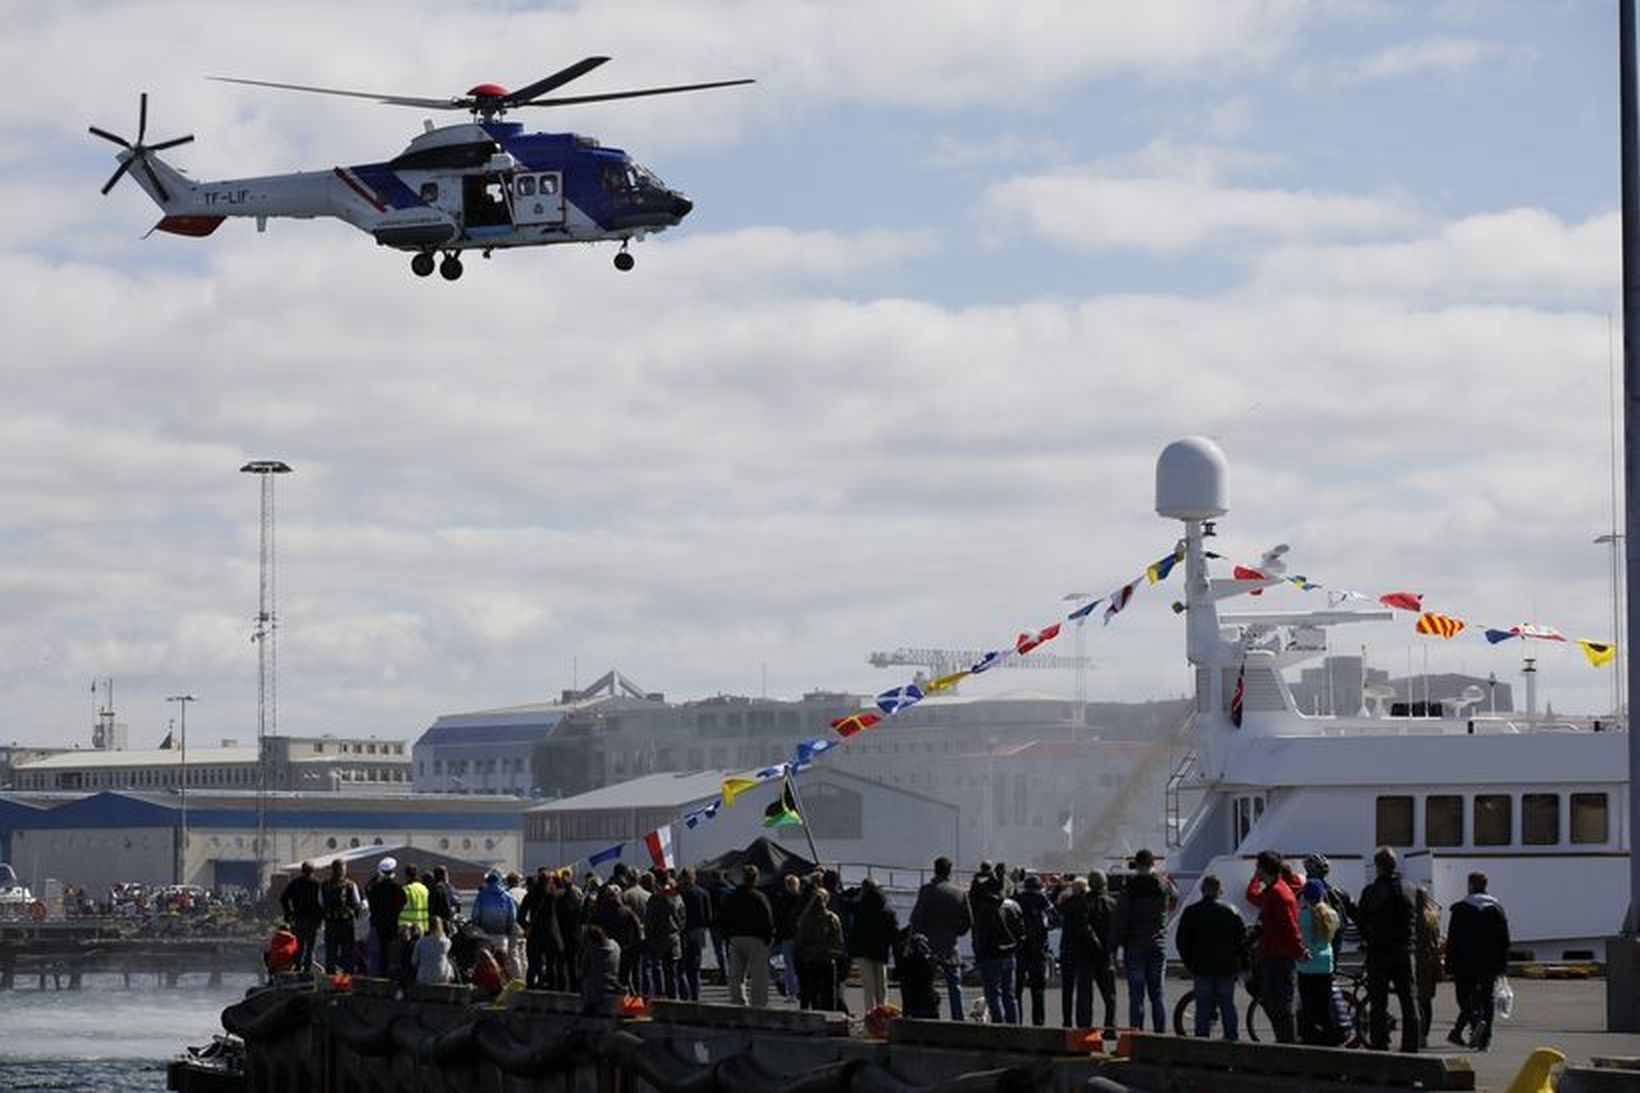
(1212, 938)
(386, 898)
(998, 925)
(538, 917)
(663, 918)
(1388, 918)
(697, 906)
(942, 915)
(1141, 912)
(571, 915)
(1038, 915)
(788, 908)
(442, 902)
(746, 913)
(340, 899)
(300, 899)
(598, 967)
(872, 928)
(1477, 938)
(619, 923)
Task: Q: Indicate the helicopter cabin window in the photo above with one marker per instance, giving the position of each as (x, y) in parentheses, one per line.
(1394, 826)
(1589, 823)
(1443, 820)
(526, 186)
(1540, 819)
(1494, 819)
(429, 192)
(549, 185)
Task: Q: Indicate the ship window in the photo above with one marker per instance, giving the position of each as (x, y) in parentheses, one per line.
(1589, 818)
(1494, 819)
(1394, 821)
(1540, 819)
(429, 194)
(1443, 820)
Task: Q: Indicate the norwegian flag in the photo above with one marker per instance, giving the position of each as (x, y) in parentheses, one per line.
(1248, 573)
(1118, 600)
(1239, 697)
(659, 842)
(1026, 642)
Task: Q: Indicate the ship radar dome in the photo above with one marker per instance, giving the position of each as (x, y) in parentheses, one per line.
(1191, 477)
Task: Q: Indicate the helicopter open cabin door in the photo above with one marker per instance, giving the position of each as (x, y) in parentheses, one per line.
(538, 199)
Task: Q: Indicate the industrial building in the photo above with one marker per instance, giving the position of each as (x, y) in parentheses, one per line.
(100, 839)
(292, 763)
(853, 820)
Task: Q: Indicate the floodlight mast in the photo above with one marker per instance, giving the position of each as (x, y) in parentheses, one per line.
(267, 658)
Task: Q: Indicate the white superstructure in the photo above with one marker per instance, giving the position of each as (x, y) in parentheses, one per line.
(1540, 807)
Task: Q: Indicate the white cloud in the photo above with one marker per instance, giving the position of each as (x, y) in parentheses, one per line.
(1091, 210)
(1440, 54)
(1518, 254)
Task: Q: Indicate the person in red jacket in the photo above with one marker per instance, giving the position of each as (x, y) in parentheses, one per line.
(1274, 891)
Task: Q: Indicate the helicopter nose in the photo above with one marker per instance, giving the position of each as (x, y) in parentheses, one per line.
(681, 206)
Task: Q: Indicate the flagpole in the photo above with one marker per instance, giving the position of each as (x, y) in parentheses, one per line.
(814, 851)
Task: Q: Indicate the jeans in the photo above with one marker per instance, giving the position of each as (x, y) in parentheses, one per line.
(660, 977)
(997, 974)
(1144, 976)
(788, 968)
(1076, 992)
(1386, 974)
(379, 952)
(1215, 995)
(1475, 1006)
(307, 940)
(749, 956)
(1275, 996)
(339, 947)
(694, 945)
(951, 967)
(1316, 1024)
(1031, 972)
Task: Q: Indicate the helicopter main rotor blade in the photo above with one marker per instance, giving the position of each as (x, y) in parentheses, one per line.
(556, 80)
(573, 100)
(391, 100)
(172, 143)
(119, 173)
(106, 135)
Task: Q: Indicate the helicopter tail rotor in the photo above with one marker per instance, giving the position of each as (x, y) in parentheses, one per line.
(137, 154)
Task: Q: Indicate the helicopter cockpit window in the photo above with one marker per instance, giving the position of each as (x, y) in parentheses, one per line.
(429, 192)
(526, 186)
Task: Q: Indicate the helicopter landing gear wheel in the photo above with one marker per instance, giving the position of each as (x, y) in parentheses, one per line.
(450, 268)
(422, 265)
(624, 261)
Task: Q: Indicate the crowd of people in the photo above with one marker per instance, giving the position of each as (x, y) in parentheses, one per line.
(649, 932)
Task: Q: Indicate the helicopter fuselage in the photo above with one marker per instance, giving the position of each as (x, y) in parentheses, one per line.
(483, 185)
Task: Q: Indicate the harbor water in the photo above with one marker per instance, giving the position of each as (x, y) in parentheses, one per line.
(106, 1036)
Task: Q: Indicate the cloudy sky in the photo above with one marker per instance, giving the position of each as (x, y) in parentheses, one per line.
(956, 274)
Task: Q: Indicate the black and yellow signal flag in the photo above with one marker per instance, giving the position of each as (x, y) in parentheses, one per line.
(783, 810)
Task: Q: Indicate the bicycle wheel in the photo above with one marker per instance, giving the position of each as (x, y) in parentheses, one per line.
(1184, 1015)
(1252, 1023)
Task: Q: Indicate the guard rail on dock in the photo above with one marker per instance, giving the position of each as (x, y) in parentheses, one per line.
(376, 1038)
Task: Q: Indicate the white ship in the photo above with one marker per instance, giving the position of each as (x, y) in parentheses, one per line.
(1540, 807)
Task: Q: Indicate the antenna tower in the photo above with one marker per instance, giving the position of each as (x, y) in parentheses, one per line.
(267, 655)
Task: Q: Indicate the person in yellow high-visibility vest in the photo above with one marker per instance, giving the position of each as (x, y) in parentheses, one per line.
(414, 915)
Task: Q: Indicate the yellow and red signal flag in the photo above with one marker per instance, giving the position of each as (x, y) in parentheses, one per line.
(853, 724)
(1443, 626)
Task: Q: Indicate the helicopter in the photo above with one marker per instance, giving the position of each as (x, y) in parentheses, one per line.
(482, 185)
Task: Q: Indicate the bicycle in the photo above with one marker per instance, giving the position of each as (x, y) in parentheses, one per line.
(1349, 1000)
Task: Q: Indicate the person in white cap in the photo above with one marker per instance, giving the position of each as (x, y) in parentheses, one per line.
(386, 898)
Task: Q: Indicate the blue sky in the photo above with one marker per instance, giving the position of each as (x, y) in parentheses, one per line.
(957, 272)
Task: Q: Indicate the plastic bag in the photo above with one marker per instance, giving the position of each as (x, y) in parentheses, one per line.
(1503, 998)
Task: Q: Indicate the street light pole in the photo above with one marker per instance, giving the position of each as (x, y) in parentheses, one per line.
(1615, 539)
(182, 785)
